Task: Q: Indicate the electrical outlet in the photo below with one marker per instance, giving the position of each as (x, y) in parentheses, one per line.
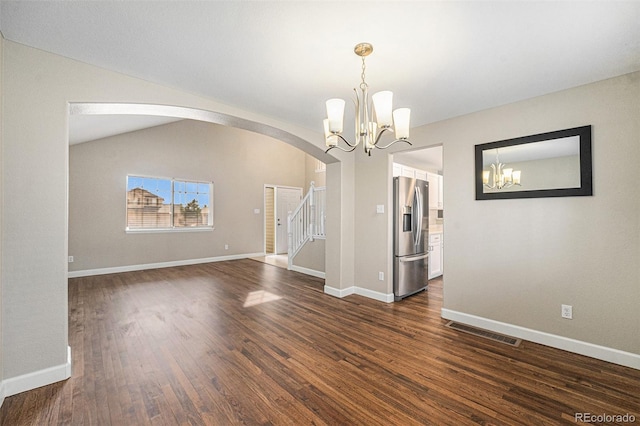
(70, 259)
(226, 246)
(567, 311)
(381, 276)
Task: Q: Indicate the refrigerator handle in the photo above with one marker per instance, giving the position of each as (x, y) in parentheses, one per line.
(418, 215)
(413, 259)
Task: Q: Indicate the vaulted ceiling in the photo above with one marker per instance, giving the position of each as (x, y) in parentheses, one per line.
(285, 58)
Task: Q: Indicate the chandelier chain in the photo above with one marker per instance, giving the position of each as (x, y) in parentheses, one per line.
(363, 84)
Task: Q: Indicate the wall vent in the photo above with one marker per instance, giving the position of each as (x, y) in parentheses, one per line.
(496, 337)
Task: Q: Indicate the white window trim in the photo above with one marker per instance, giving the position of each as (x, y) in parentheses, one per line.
(164, 230)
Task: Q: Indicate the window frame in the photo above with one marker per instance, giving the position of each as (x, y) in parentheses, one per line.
(172, 228)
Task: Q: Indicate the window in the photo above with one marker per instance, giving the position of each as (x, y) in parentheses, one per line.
(168, 204)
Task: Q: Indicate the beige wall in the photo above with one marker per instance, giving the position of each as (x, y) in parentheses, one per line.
(312, 256)
(340, 251)
(237, 161)
(319, 178)
(581, 251)
(1, 192)
(37, 89)
(373, 252)
(517, 261)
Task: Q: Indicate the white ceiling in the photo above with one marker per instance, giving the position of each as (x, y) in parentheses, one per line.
(285, 58)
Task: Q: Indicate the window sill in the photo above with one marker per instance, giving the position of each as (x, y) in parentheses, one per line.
(169, 230)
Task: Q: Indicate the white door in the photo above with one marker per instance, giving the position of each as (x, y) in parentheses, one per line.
(287, 199)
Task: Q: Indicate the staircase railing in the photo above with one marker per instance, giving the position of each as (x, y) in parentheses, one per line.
(307, 221)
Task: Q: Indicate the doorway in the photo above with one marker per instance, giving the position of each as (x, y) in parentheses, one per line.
(279, 202)
(428, 164)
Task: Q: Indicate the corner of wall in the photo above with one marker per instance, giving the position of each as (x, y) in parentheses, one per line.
(1, 197)
(36, 379)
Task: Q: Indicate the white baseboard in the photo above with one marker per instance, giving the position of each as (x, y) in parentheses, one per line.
(130, 268)
(307, 271)
(1, 393)
(376, 295)
(337, 292)
(37, 379)
(603, 353)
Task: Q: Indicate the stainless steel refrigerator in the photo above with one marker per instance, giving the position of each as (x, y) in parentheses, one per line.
(410, 236)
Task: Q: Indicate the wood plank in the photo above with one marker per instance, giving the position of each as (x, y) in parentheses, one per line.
(178, 346)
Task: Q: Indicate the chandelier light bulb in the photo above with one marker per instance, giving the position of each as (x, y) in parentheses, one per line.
(330, 139)
(516, 177)
(485, 177)
(335, 114)
(383, 103)
(401, 118)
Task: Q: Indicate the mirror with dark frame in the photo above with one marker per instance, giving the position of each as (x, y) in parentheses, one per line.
(553, 164)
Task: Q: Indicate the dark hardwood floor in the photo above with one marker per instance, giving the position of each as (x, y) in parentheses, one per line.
(243, 342)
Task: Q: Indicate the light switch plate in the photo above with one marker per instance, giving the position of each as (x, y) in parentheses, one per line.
(380, 208)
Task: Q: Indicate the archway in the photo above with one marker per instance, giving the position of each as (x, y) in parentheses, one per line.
(91, 109)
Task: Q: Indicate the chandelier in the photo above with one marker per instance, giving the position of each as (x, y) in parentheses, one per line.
(502, 178)
(367, 130)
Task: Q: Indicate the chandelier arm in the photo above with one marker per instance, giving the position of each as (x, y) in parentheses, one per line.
(356, 124)
(346, 141)
(388, 145)
(495, 180)
(382, 130)
(341, 148)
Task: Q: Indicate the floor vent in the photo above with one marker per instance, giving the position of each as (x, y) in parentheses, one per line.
(501, 338)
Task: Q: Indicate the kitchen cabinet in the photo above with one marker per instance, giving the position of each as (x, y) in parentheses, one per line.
(406, 171)
(435, 183)
(435, 191)
(436, 255)
(420, 174)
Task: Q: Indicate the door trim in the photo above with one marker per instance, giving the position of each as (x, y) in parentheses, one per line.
(275, 219)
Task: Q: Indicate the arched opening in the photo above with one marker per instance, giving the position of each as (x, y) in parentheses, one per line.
(83, 115)
(84, 109)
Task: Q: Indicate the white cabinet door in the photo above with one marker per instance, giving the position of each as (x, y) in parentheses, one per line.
(421, 174)
(408, 172)
(435, 255)
(435, 191)
(432, 178)
(440, 192)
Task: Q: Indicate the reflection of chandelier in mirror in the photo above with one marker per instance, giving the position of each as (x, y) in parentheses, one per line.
(502, 178)
(367, 131)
